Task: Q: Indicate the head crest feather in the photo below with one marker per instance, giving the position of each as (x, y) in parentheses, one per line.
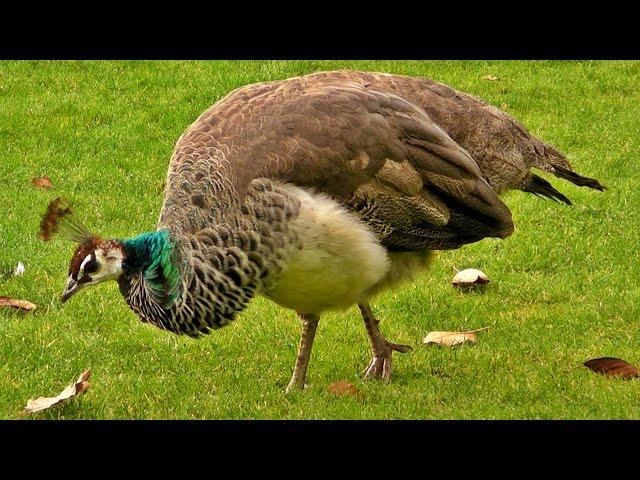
(59, 219)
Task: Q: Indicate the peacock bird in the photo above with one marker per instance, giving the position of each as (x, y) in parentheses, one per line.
(319, 192)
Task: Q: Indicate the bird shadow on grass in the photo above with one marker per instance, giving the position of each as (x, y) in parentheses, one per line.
(474, 290)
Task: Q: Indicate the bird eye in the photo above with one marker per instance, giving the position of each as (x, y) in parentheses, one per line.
(91, 267)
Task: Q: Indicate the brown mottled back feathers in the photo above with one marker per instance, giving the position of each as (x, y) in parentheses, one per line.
(502, 147)
(376, 152)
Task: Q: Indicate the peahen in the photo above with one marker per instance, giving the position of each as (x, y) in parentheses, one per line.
(318, 192)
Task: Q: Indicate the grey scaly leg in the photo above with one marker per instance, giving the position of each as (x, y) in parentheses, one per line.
(309, 326)
(380, 366)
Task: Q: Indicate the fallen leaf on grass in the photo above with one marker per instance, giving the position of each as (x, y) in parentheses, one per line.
(612, 367)
(344, 387)
(469, 277)
(56, 210)
(19, 304)
(491, 78)
(42, 182)
(80, 386)
(451, 339)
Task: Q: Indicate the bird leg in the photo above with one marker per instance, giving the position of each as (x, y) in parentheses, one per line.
(309, 326)
(380, 366)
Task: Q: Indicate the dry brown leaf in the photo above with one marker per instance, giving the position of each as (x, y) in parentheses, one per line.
(42, 182)
(612, 367)
(19, 304)
(491, 78)
(57, 208)
(80, 386)
(451, 339)
(344, 387)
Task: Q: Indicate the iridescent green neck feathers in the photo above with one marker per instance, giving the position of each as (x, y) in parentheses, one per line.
(152, 255)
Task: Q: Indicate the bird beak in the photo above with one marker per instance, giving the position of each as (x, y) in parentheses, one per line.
(70, 289)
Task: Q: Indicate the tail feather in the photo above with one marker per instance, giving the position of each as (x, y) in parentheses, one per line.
(577, 179)
(539, 186)
(551, 160)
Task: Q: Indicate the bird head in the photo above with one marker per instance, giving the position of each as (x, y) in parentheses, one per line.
(151, 256)
(94, 261)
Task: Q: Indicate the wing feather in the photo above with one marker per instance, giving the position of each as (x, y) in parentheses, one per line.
(379, 154)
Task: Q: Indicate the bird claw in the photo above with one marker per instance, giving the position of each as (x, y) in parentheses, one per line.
(293, 386)
(380, 366)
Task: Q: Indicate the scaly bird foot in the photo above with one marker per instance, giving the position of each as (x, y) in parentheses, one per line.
(380, 366)
(295, 385)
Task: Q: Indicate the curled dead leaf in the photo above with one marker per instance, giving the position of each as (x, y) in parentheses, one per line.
(19, 304)
(469, 277)
(42, 182)
(491, 78)
(79, 387)
(612, 367)
(451, 339)
(344, 387)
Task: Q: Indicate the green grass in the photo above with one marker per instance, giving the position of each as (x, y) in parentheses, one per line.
(565, 285)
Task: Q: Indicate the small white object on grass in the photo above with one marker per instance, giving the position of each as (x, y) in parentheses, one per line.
(19, 270)
(469, 277)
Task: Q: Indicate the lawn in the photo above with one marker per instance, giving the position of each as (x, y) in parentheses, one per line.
(564, 289)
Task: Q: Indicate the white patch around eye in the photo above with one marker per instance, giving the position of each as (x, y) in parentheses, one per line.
(84, 262)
